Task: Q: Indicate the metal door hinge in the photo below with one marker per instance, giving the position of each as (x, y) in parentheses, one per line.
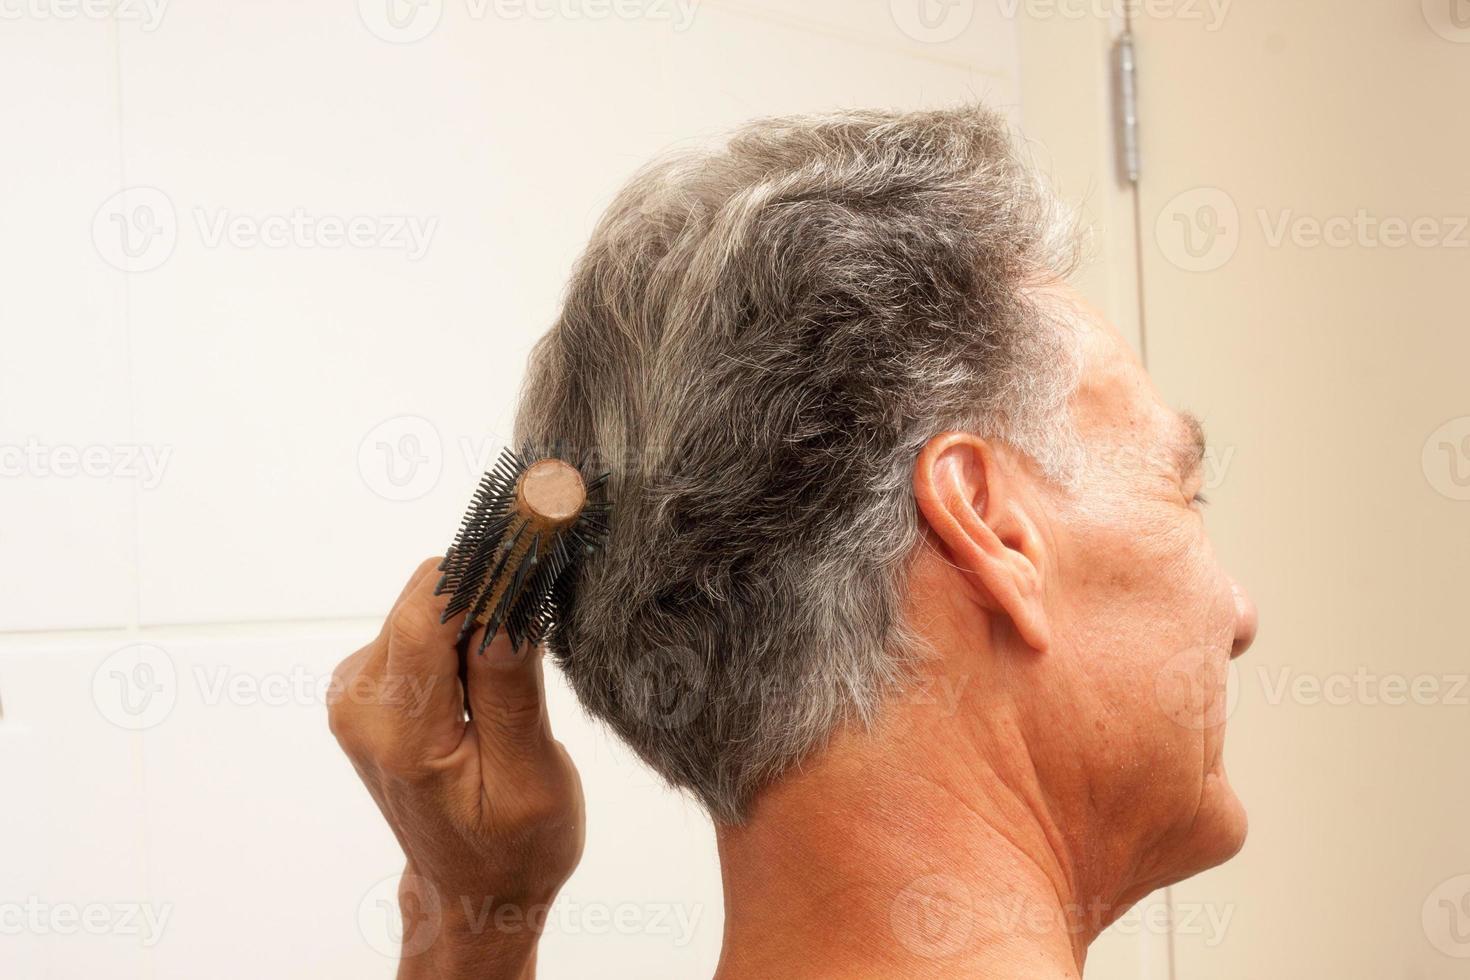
(1126, 94)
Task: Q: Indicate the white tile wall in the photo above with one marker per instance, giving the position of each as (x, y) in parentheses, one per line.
(972, 36)
(259, 836)
(73, 874)
(271, 370)
(324, 411)
(63, 342)
(800, 69)
(650, 859)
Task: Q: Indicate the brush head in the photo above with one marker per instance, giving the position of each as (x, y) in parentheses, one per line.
(533, 519)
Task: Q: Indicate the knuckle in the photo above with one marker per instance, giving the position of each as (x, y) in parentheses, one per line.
(411, 626)
(543, 826)
(404, 768)
(538, 807)
(345, 729)
(529, 817)
(347, 675)
(342, 679)
(344, 716)
(513, 719)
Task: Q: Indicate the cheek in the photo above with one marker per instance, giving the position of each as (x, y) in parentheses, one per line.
(1153, 616)
(1149, 562)
(1191, 626)
(1162, 561)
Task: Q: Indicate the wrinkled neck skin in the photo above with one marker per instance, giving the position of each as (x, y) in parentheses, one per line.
(926, 846)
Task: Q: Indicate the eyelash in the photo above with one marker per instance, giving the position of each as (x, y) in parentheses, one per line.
(1202, 500)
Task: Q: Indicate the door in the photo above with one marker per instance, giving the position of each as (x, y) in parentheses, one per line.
(1305, 262)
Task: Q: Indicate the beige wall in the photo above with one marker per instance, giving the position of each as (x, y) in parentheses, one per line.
(1332, 377)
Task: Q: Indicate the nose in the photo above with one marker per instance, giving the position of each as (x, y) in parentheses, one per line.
(1246, 621)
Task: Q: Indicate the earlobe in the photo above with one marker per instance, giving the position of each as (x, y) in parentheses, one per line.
(971, 503)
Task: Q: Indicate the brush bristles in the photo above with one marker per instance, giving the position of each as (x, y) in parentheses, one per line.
(528, 574)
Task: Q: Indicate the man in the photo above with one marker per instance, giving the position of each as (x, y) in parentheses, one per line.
(907, 582)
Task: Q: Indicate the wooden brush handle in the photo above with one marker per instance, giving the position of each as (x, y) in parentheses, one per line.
(550, 496)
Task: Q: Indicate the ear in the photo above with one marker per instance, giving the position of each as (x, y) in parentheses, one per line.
(970, 504)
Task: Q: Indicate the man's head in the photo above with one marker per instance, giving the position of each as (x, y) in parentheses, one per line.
(1108, 624)
(857, 434)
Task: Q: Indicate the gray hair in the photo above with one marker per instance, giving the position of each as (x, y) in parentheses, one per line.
(758, 340)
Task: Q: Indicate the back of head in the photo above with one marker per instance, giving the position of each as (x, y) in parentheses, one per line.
(757, 342)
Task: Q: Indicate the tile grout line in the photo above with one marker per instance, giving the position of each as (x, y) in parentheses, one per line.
(209, 629)
(127, 330)
(140, 761)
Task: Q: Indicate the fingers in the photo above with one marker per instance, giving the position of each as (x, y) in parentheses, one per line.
(508, 704)
(423, 663)
(427, 568)
(400, 708)
(497, 792)
(396, 703)
(418, 643)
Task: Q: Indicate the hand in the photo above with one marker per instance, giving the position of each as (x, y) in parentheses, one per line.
(489, 812)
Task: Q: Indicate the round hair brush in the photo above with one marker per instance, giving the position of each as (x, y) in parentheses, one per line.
(532, 521)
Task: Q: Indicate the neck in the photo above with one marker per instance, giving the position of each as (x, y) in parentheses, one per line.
(942, 865)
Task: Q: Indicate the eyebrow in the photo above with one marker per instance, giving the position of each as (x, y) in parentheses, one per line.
(1190, 451)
